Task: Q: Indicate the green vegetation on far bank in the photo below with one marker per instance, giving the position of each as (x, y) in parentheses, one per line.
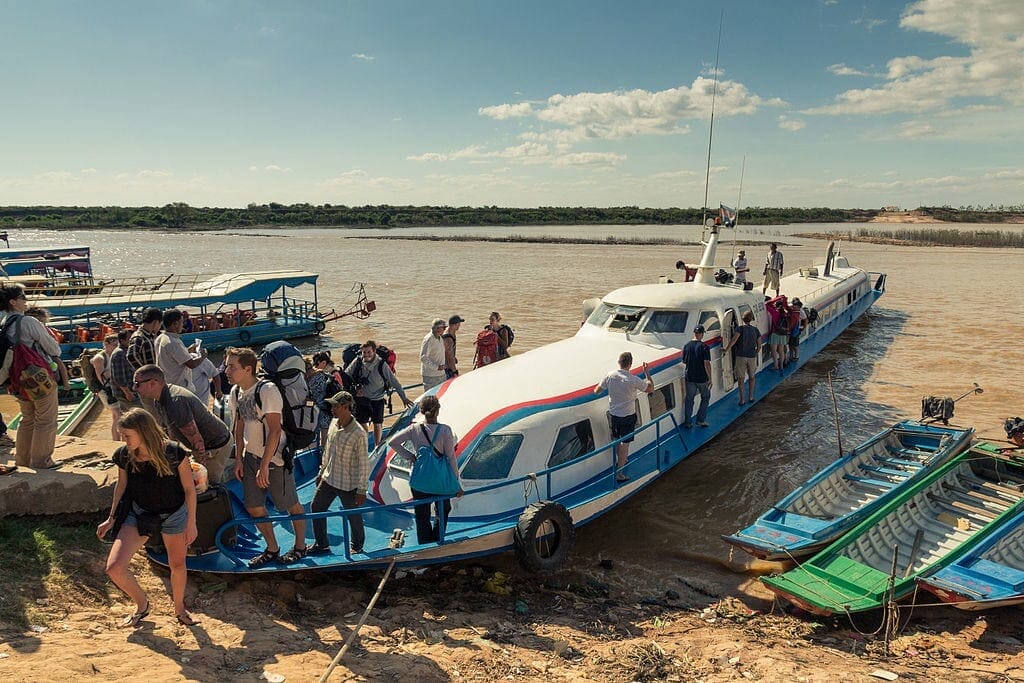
(928, 237)
(182, 216)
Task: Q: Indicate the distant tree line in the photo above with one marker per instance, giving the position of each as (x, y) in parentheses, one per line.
(179, 215)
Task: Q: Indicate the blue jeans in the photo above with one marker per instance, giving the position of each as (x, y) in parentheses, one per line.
(692, 389)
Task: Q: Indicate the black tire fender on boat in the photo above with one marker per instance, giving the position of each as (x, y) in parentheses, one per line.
(544, 536)
(244, 336)
(320, 326)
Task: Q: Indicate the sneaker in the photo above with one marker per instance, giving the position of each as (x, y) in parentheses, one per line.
(702, 424)
(354, 550)
(266, 557)
(6, 440)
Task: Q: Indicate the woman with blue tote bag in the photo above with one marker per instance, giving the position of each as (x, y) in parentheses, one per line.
(435, 471)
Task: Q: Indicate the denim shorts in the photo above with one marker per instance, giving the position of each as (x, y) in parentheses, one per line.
(173, 522)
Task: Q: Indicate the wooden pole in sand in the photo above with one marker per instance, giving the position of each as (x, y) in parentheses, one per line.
(362, 620)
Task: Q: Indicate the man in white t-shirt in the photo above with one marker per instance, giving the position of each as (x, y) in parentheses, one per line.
(259, 463)
(622, 386)
(173, 357)
(432, 361)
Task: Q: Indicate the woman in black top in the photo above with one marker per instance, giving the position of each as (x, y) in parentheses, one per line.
(157, 476)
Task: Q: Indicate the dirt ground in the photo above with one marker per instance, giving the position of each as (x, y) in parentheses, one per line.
(480, 622)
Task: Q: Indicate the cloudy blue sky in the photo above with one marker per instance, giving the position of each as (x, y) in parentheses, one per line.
(846, 103)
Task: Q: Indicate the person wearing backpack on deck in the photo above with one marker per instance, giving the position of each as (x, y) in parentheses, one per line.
(778, 317)
(37, 431)
(259, 463)
(373, 378)
(432, 356)
(320, 380)
(451, 363)
(504, 333)
(101, 366)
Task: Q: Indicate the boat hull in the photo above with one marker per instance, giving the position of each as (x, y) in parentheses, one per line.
(848, 490)
(925, 528)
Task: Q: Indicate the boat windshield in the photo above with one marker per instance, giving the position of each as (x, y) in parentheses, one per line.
(662, 322)
(619, 318)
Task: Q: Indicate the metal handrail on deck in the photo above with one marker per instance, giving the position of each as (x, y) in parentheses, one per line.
(546, 474)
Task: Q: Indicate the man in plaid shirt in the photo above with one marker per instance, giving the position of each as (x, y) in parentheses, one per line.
(343, 474)
(141, 350)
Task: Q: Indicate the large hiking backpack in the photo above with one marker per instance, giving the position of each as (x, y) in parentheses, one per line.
(94, 383)
(350, 353)
(23, 369)
(387, 355)
(486, 348)
(285, 367)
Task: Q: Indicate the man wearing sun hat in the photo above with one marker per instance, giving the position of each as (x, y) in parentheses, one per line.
(740, 264)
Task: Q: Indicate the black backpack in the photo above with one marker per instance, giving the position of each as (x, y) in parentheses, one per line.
(510, 332)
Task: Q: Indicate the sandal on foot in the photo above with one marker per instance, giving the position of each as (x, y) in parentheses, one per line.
(133, 620)
(186, 619)
(294, 555)
(266, 557)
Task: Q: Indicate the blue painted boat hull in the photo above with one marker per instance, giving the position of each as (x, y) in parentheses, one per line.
(784, 534)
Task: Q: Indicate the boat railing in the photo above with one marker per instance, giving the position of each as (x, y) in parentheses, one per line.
(598, 487)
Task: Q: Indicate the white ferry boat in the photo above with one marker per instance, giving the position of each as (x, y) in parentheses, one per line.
(535, 452)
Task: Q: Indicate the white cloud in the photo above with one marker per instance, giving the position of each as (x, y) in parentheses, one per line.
(271, 168)
(360, 179)
(506, 111)
(843, 70)
(990, 30)
(56, 177)
(88, 171)
(590, 159)
(363, 57)
(1017, 174)
(869, 23)
(147, 173)
(793, 125)
(912, 130)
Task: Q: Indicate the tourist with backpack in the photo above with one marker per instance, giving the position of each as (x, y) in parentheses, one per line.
(373, 378)
(260, 442)
(451, 362)
(28, 354)
(778, 317)
(505, 334)
(323, 381)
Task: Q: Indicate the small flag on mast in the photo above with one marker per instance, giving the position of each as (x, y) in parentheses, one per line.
(727, 216)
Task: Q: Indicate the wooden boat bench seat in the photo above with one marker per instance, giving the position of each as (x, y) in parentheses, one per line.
(898, 462)
(961, 506)
(870, 482)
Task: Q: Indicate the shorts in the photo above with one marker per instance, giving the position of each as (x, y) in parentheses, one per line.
(744, 367)
(622, 426)
(771, 279)
(369, 410)
(778, 339)
(794, 340)
(282, 485)
(172, 522)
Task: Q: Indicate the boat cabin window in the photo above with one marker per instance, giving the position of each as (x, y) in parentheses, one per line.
(710, 321)
(743, 310)
(622, 318)
(662, 400)
(572, 442)
(666, 322)
(493, 458)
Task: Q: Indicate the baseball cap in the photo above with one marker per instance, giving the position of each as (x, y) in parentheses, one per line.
(341, 397)
(699, 329)
(456, 319)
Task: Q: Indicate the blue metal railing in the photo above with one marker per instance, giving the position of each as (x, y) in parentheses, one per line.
(608, 485)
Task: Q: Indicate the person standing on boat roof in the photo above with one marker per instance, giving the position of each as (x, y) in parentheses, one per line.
(173, 357)
(747, 341)
(689, 273)
(187, 420)
(622, 386)
(373, 376)
(432, 356)
(451, 363)
(259, 463)
(740, 266)
(343, 474)
(772, 269)
(503, 332)
(697, 358)
(439, 437)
